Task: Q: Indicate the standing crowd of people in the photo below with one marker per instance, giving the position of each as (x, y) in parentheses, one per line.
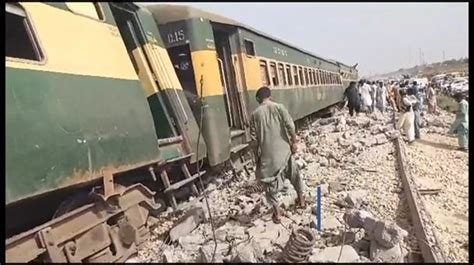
(409, 100)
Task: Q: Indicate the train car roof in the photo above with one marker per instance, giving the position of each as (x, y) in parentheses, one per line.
(165, 13)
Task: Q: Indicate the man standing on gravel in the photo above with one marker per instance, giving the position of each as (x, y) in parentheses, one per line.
(365, 91)
(460, 127)
(353, 98)
(274, 140)
(406, 121)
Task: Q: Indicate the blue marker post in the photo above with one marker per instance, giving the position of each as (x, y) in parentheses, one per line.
(318, 208)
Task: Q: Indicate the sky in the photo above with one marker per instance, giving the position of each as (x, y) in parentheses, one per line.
(380, 37)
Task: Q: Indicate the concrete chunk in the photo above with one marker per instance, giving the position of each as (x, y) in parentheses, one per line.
(331, 254)
(388, 235)
(357, 219)
(356, 197)
(188, 223)
(381, 254)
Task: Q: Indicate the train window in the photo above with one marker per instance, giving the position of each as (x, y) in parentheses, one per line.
(273, 74)
(318, 80)
(295, 74)
(92, 10)
(306, 76)
(20, 41)
(249, 47)
(311, 76)
(288, 75)
(281, 72)
(264, 73)
(300, 71)
(315, 76)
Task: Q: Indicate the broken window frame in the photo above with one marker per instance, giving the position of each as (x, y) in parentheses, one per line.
(266, 78)
(274, 74)
(252, 46)
(289, 74)
(19, 10)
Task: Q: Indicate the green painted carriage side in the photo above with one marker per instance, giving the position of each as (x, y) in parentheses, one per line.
(301, 101)
(215, 130)
(62, 129)
(265, 47)
(170, 96)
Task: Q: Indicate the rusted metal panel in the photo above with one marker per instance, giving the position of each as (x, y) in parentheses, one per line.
(27, 246)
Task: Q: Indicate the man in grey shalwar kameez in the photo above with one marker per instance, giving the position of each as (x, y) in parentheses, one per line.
(273, 134)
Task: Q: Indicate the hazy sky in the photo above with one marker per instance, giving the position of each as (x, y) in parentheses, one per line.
(381, 37)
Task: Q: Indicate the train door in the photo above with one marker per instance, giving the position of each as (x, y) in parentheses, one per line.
(232, 94)
(132, 37)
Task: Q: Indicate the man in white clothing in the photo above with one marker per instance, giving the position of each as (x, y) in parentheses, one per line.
(366, 99)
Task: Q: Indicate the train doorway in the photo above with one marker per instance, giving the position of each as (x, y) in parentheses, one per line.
(180, 57)
(232, 97)
(134, 38)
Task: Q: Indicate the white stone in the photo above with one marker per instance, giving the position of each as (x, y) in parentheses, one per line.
(381, 254)
(330, 223)
(191, 220)
(331, 254)
(356, 197)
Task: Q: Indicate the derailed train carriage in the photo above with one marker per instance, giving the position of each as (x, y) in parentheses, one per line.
(231, 61)
(99, 129)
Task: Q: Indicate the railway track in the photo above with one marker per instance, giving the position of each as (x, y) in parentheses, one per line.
(421, 219)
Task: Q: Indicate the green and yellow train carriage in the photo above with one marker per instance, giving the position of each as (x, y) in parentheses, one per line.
(105, 103)
(95, 118)
(224, 62)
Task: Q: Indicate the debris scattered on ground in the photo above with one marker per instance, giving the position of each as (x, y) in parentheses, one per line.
(363, 204)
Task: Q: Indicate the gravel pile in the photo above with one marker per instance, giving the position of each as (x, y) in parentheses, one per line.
(437, 165)
(352, 160)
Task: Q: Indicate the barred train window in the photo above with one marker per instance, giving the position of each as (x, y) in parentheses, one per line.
(281, 72)
(249, 47)
(295, 74)
(273, 74)
(318, 77)
(315, 76)
(91, 10)
(300, 71)
(306, 76)
(311, 76)
(19, 39)
(264, 73)
(288, 74)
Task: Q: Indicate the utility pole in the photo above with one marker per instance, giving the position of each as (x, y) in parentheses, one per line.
(421, 58)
